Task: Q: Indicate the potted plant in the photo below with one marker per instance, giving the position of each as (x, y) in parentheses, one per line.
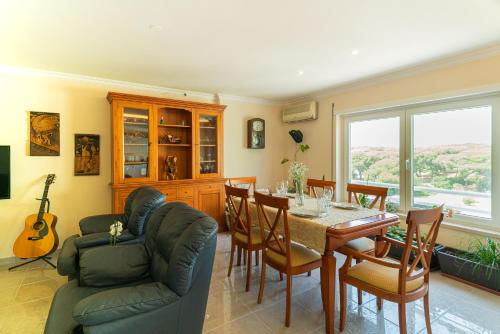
(480, 265)
(396, 251)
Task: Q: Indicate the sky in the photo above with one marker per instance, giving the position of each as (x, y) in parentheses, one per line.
(461, 126)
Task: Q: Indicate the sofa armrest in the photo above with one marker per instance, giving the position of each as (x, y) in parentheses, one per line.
(115, 304)
(67, 259)
(113, 265)
(99, 223)
(100, 239)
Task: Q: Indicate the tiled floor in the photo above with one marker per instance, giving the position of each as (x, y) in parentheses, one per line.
(25, 297)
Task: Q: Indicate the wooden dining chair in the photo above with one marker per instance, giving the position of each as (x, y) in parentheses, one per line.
(243, 234)
(251, 181)
(280, 252)
(400, 282)
(313, 184)
(363, 245)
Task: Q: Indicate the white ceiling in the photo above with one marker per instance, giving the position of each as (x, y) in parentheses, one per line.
(241, 47)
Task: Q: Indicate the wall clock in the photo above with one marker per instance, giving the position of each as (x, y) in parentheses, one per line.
(256, 133)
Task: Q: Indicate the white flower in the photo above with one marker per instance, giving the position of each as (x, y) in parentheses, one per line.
(297, 171)
(116, 229)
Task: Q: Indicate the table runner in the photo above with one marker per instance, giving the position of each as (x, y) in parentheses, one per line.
(311, 232)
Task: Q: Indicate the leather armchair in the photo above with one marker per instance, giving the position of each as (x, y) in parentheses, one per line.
(140, 205)
(159, 286)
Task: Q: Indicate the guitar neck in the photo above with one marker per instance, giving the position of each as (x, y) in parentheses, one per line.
(41, 210)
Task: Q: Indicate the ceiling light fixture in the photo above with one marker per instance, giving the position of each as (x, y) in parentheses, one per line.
(355, 52)
(300, 73)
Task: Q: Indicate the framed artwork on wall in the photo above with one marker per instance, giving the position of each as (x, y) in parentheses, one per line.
(44, 134)
(87, 151)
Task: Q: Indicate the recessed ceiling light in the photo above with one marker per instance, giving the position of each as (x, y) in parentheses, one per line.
(155, 27)
(355, 52)
(300, 73)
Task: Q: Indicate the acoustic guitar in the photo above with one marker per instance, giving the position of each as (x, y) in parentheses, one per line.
(39, 237)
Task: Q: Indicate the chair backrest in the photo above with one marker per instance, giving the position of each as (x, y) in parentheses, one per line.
(177, 237)
(274, 240)
(239, 215)
(140, 205)
(249, 181)
(312, 184)
(419, 244)
(355, 190)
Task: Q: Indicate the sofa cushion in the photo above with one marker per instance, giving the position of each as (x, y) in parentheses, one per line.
(114, 304)
(130, 263)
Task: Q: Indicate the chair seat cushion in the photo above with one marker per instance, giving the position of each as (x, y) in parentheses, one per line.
(382, 277)
(361, 245)
(256, 237)
(300, 255)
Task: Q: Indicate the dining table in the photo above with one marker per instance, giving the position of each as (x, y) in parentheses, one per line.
(328, 231)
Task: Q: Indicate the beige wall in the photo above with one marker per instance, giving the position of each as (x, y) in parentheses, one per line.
(240, 161)
(84, 109)
(444, 81)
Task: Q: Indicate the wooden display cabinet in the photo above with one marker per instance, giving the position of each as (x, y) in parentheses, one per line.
(150, 132)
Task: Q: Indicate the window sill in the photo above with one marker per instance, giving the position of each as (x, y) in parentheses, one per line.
(486, 231)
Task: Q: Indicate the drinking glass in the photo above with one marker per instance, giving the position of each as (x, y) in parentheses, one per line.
(321, 205)
(328, 194)
(284, 187)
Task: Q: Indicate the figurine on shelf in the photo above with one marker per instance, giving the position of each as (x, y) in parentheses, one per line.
(161, 120)
(173, 139)
(171, 167)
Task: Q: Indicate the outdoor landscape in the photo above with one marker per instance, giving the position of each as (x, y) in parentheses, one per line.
(457, 175)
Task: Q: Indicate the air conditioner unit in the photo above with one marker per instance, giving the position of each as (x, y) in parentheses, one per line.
(300, 112)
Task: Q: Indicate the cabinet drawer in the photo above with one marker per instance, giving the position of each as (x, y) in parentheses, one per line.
(209, 188)
(185, 192)
(188, 201)
(170, 192)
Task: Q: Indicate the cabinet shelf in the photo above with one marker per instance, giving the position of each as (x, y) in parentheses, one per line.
(208, 161)
(174, 126)
(131, 144)
(136, 163)
(208, 127)
(208, 145)
(136, 123)
(180, 145)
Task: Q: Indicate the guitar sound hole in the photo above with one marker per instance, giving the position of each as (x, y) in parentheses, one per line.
(38, 225)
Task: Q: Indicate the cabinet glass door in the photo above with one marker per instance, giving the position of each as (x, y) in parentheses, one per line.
(135, 143)
(208, 156)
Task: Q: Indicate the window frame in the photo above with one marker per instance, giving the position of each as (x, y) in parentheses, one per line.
(393, 113)
(406, 113)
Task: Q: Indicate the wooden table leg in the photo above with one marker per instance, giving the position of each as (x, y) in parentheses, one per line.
(328, 286)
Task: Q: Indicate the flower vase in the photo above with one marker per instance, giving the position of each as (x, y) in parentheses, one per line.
(299, 193)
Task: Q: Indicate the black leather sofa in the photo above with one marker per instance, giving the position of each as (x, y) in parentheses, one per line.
(159, 286)
(140, 205)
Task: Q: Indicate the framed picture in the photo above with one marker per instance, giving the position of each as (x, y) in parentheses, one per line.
(87, 154)
(44, 134)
